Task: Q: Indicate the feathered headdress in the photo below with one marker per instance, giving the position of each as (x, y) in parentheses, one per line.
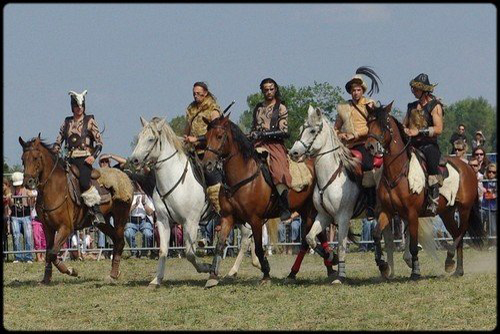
(358, 79)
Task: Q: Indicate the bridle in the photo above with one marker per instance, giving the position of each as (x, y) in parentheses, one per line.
(309, 146)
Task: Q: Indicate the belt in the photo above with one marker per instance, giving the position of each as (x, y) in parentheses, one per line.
(136, 220)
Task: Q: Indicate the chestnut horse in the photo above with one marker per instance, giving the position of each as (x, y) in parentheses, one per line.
(44, 171)
(245, 194)
(386, 137)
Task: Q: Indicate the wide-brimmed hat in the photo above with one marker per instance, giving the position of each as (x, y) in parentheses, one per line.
(421, 82)
(356, 80)
(17, 178)
(479, 132)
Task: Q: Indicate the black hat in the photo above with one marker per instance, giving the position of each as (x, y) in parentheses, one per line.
(421, 82)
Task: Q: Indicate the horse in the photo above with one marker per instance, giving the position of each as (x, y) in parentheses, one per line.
(245, 194)
(386, 136)
(45, 171)
(338, 192)
(177, 196)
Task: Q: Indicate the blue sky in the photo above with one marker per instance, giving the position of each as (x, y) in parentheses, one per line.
(142, 59)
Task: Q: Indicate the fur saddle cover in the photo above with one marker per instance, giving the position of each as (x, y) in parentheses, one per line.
(417, 180)
(301, 176)
(110, 183)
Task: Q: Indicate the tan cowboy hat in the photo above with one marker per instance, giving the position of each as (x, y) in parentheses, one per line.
(421, 82)
(356, 80)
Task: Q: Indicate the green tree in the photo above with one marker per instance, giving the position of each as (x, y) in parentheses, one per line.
(475, 114)
(297, 101)
(178, 124)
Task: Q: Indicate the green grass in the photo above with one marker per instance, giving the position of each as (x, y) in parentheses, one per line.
(366, 302)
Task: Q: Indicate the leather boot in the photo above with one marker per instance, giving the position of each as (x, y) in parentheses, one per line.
(371, 202)
(284, 206)
(433, 198)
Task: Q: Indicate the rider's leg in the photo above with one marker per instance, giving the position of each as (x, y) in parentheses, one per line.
(283, 201)
(90, 195)
(368, 181)
(432, 155)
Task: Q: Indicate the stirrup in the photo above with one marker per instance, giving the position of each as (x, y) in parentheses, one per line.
(98, 218)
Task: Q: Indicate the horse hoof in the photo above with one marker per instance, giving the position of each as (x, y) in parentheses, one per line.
(458, 274)
(408, 262)
(385, 270)
(43, 282)
(449, 266)
(339, 280)
(231, 276)
(211, 283)
(265, 281)
(153, 286)
(415, 277)
(73, 272)
(290, 280)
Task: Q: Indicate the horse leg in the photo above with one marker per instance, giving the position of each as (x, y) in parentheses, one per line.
(116, 235)
(389, 248)
(413, 228)
(164, 233)
(383, 222)
(464, 224)
(259, 250)
(343, 224)
(451, 225)
(227, 222)
(245, 243)
(190, 228)
(49, 237)
(61, 236)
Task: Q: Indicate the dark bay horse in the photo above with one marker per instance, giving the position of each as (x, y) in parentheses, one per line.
(44, 171)
(245, 195)
(386, 136)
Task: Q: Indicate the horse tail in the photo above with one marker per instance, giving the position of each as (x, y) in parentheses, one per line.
(476, 231)
(426, 236)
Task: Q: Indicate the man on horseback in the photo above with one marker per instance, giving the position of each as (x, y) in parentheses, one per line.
(424, 123)
(352, 128)
(83, 144)
(204, 105)
(269, 130)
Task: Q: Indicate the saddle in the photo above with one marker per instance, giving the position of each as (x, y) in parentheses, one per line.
(377, 160)
(73, 174)
(443, 171)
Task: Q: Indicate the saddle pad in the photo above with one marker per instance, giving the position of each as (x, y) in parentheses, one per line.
(75, 193)
(416, 180)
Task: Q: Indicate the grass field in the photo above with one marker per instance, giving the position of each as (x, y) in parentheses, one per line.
(366, 302)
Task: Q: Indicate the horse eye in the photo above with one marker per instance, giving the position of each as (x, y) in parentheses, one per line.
(313, 131)
(151, 140)
(219, 137)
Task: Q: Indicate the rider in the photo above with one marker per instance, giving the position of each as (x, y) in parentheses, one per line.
(83, 144)
(204, 105)
(352, 128)
(424, 123)
(269, 129)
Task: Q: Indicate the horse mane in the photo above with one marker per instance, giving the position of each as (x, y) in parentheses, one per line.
(245, 146)
(381, 117)
(344, 153)
(169, 134)
(48, 147)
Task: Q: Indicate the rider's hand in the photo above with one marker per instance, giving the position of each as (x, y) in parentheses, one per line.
(254, 135)
(190, 139)
(411, 132)
(90, 160)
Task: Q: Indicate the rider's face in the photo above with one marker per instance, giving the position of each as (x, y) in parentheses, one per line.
(356, 92)
(199, 94)
(269, 91)
(77, 111)
(417, 92)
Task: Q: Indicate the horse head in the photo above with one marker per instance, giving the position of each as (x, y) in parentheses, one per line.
(312, 137)
(218, 146)
(148, 147)
(33, 161)
(380, 131)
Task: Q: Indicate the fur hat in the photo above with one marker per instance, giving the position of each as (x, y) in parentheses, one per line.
(421, 82)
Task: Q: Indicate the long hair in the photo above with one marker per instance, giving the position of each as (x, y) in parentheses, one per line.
(270, 80)
(205, 88)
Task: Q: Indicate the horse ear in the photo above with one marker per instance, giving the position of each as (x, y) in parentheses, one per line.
(161, 123)
(84, 92)
(205, 120)
(318, 112)
(227, 117)
(143, 122)
(39, 134)
(389, 107)
(22, 142)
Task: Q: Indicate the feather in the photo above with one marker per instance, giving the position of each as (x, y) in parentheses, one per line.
(367, 71)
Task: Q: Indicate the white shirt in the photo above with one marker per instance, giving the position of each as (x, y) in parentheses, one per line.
(140, 211)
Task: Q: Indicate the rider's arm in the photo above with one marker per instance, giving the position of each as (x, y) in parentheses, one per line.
(60, 138)
(96, 135)
(437, 118)
(338, 123)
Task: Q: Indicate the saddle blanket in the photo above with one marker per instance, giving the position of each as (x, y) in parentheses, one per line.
(416, 180)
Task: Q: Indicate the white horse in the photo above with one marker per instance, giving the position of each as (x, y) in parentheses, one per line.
(178, 196)
(336, 194)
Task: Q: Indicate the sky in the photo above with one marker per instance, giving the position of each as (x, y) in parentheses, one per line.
(142, 59)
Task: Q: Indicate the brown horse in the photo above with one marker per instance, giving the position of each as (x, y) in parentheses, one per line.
(245, 194)
(44, 171)
(386, 136)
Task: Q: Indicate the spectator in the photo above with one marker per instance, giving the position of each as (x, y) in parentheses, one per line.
(460, 148)
(103, 241)
(7, 195)
(478, 140)
(104, 161)
(292, 226)
(366, 234)
(176, 239)
(38, 234)
(20, 206)
(207, 234)
(473, 162)
(460, 135)
(142, 206)
(440, 232)
(489, 202)
(480, 154)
